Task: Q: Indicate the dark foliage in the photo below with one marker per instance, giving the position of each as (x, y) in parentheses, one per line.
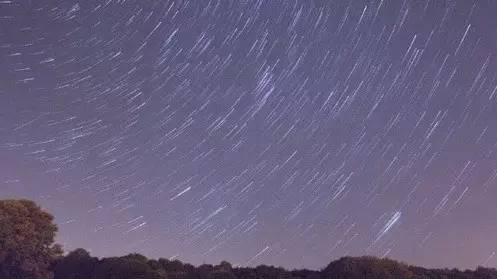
(76, 265)
(366, 267)
(27, 251)
(27, 234)
(80, 265)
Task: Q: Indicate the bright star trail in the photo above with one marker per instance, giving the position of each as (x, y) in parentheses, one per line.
(280, 132)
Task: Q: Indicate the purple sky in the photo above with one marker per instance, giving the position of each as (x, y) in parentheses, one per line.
(281, 132)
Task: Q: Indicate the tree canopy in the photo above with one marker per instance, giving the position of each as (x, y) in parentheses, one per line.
(26, 240)
(27, 250)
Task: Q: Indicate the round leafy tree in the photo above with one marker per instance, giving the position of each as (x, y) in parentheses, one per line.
(27, 234)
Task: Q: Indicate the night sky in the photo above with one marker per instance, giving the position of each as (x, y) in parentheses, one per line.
(280, 132)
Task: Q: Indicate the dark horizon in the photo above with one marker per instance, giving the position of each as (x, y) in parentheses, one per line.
(275, 132)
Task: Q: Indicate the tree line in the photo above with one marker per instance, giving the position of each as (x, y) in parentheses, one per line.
(28, 251)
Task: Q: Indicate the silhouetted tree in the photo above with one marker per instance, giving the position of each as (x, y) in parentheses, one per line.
(486, 273)
(171, 266)
(133, 266)
(27, 250)
(224, 266)
(305, 274)
(78, 264)
(27, 235)
(366, 268)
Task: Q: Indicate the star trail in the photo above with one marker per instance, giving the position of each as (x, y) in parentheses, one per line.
(288, 133)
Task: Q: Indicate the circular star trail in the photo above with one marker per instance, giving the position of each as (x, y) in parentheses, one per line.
(281, 132)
